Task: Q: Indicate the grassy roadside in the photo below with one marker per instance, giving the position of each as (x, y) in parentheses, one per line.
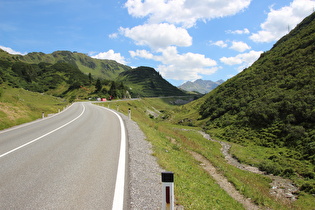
(19, 106)
(194, 188)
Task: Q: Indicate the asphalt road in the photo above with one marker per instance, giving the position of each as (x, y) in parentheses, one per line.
(67, 161)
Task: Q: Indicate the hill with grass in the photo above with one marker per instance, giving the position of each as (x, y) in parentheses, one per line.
(78, 76)
(146, 81)
(18, 106)
(98, 68)
(270, 105)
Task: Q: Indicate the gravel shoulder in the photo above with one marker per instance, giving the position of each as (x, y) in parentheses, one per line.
(145, 186)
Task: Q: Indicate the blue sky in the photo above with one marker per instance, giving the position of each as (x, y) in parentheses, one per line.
(182, 39)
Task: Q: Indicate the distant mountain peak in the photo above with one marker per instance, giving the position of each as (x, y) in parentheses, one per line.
(220, 81)
(200, 85)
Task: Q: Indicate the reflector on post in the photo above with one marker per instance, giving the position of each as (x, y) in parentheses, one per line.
(167, 190)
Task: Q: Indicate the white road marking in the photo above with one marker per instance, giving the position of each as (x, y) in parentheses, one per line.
(118, 202)
(30, 142)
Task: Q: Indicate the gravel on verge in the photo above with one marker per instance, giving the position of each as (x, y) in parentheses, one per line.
(145, 184)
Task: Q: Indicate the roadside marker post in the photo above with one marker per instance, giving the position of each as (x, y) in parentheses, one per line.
(167, 191)
(129, 113)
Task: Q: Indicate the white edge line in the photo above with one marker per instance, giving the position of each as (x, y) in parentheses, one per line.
(118, 201)
(30, 142)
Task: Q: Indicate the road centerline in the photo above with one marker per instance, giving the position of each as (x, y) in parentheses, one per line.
(38, 138)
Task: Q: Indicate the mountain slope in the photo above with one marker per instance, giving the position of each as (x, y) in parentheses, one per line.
(271, 105)
(145, 81)
(279, 88)
(42, 77)
(103, 69)
(62, 72)
(201, 86)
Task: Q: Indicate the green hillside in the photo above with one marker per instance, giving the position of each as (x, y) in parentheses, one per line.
(62, 72)
(41, 77)
(103, 69)
(270, 106)
(145, 81)
(19, 106)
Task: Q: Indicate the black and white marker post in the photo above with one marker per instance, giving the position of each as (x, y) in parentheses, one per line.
(168, 190)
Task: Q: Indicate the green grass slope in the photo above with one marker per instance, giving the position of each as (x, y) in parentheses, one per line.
(272, 105)
(60, 78)
(19, 106)
(42, 77)
(103, 69)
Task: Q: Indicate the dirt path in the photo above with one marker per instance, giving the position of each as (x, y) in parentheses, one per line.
(282, 189)
(223, 182)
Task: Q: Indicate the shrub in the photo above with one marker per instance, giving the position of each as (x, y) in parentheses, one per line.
(270, 167)
(1, 90)
(308, 187)
(288, 172)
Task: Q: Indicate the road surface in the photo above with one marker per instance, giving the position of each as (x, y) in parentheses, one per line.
(67, 161)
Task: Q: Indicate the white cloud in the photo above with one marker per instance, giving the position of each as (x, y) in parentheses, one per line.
(113, 35)
(111, 55)
(244, 31)
(231, 60)
(158, 35)
(278, 21)
(142, 54)
(244, 59)
(219, 43)
(239, 46)
(184, 12)
(11, 51)
(187, 66)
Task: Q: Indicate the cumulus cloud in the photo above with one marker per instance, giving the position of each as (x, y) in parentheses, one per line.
(235, 45)
(231, 60)
(184, 12)
(111, 55)
(279, 21)
(244, 31)
(244, 59)
(158, 35)
(187, 66)
(239, 46)
(219, 43)
(11, 51)
(113, 35)
(142, 54)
